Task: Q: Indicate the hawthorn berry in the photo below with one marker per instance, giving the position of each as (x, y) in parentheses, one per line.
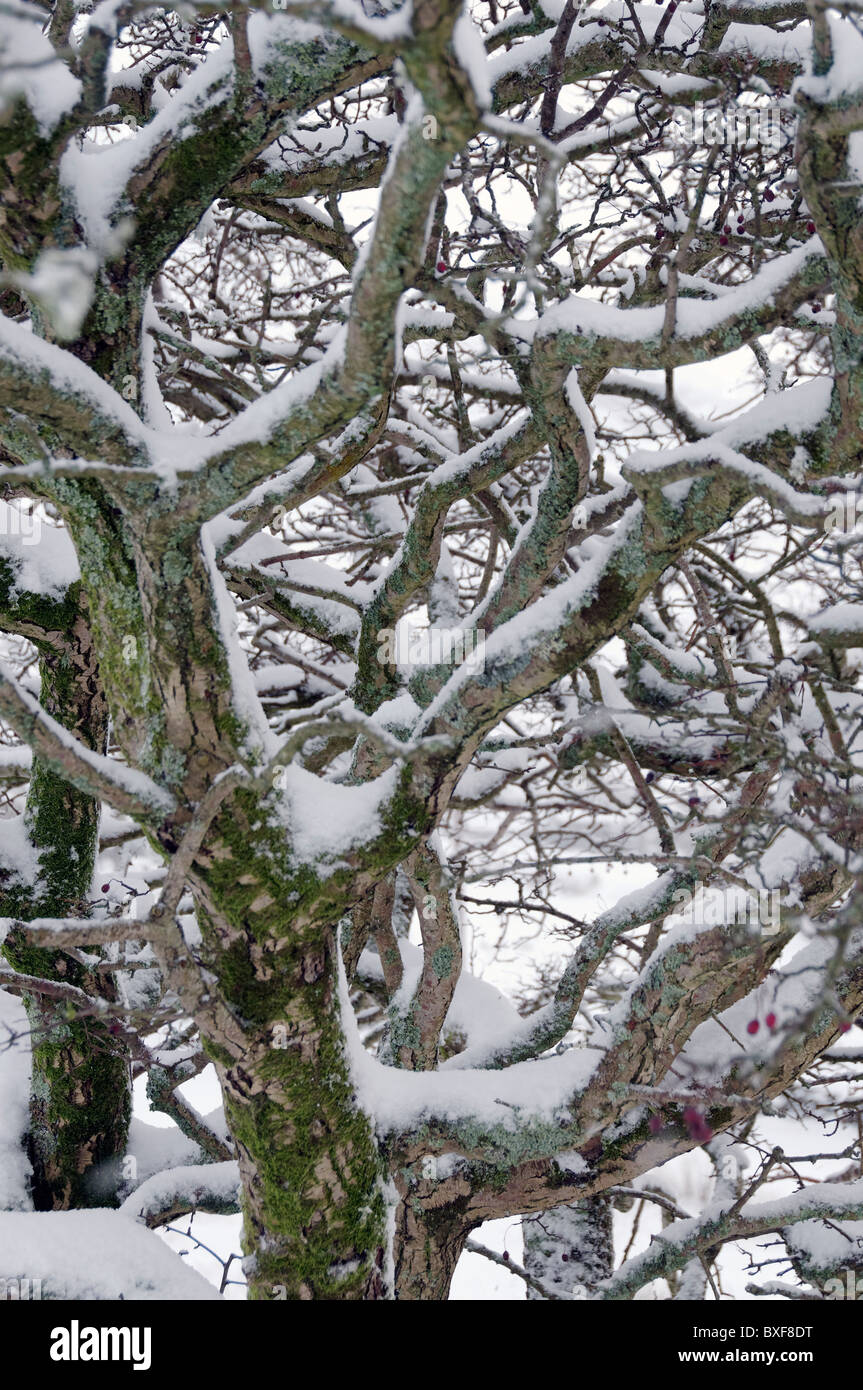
(752, 1026)
(770, 1020)
(723, 241)
(698, 1128)
(769, 195)
(441, 265)
(106, 887)
(810, 227)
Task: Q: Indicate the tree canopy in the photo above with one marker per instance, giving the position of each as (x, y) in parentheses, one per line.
(430, 451)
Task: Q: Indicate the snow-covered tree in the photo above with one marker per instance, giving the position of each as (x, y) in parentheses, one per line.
(430, 453)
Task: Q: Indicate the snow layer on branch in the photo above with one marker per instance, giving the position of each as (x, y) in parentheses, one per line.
(798, 410)
(157, 1147)
(398, 1101)
(845, 75)
(94, 1255)
(29, 67)
(478, 1010)
(15, 755)
(529, 1091)
(545, 618)
(789, 993)
(327, 819)
(839, 617)
(470, 50)
(18, 857)
(69, 375)
(791, 46)
(14, 1107)
(97, 175)
(244, 696)
(43, 557)
(778, 1212)
(191, 1185)
(694, 317)
(826, 1247)
(130, 779)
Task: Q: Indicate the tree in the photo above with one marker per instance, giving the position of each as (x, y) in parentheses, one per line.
(366, 517)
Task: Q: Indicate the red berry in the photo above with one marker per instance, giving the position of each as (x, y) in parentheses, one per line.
(727, 229)
(441, 265)
(810, 227)
(565, 1259)
(723, 241)
(506, 1254)
(844, 1027)
(654, 1124)
(816, 308)
(106, 887)
(770, 1020)
(769, 195)
(752, 1026)
(698, 1128)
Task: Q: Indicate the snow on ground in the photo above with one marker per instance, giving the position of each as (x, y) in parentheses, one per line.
(99, 1254)
(14, 1091)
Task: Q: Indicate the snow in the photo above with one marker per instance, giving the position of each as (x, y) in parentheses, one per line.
(100, 1254)
(62, 283)
(839, 617)
(823, 1246)
(18, 857)
(844, 77)
(247, 704)
(328, 819)
(128, 779)
(96, 176)
(69, 375)
(398, 1101)
(478, 1010)
(694, 317)
(42, 556)
(153, 1147)
(29, 67)
(470, 51)
(190, 1184)
(548, 616)
(14, 1103)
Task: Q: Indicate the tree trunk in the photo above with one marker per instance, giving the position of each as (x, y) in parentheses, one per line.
(569, 1248)
(80, 1101)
